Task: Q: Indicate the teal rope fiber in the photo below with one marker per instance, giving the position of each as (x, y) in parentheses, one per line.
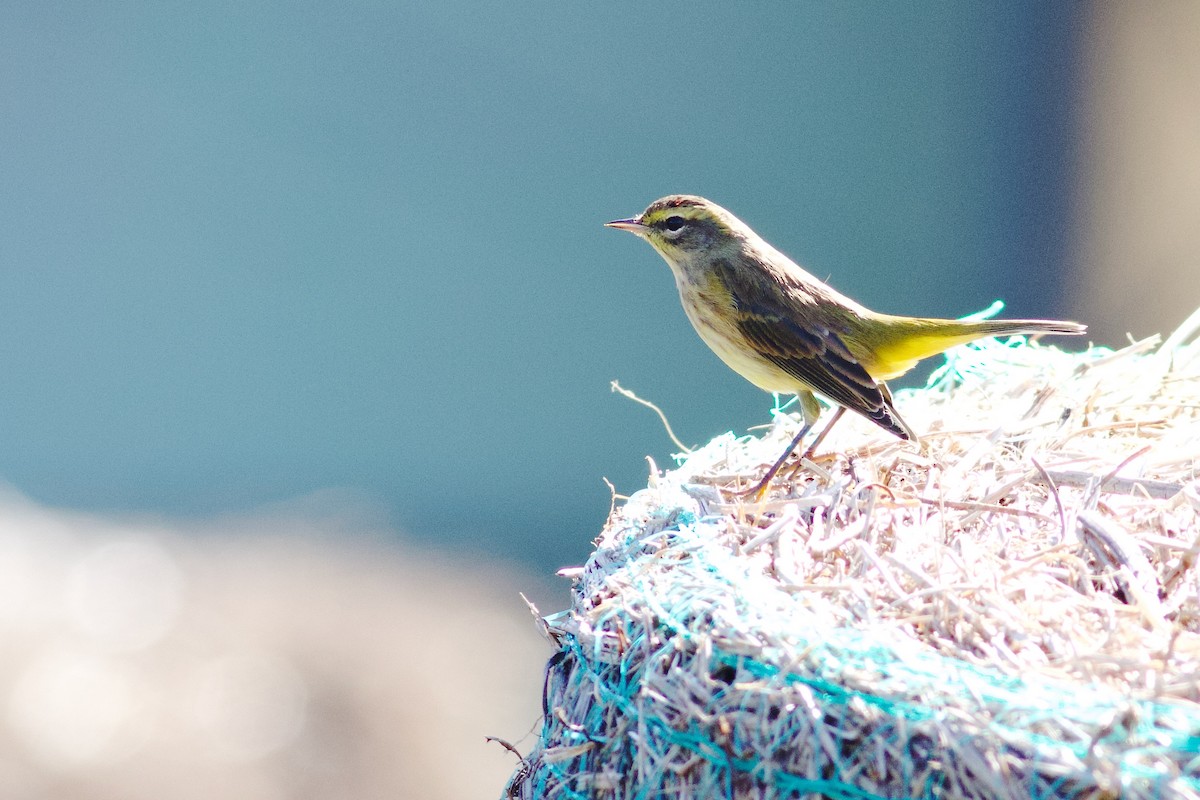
(1015, 709)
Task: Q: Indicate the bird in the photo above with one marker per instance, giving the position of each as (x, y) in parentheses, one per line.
(788, 332)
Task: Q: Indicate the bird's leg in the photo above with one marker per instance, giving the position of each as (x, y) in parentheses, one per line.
(761, 487)
(811, 409)
(812, 448)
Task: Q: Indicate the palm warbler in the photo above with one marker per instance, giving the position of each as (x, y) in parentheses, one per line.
(784, 330)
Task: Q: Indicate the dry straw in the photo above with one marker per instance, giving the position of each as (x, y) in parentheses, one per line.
(1011, 610)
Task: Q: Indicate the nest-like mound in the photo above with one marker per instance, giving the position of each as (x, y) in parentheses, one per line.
(1009, 610)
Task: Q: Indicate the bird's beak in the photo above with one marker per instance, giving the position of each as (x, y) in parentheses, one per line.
(633, 225)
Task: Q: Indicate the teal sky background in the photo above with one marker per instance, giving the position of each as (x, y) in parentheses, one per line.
(251, 250)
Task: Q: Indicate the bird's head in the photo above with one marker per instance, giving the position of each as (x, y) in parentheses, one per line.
(683, 228)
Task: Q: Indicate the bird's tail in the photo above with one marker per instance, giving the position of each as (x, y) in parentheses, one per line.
(1013, 327)
(909, 339)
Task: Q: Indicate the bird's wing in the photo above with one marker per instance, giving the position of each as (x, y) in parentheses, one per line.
(814, 353)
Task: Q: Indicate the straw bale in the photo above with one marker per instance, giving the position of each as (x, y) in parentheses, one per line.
(1010, 609)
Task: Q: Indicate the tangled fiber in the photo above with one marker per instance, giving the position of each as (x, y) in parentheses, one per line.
(1008, 610)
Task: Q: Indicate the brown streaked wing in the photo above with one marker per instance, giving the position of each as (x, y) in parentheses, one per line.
(815, 355)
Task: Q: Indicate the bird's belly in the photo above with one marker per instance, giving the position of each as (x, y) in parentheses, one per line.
(724, 339)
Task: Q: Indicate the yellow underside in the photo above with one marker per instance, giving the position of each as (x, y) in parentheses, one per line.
(894, 358)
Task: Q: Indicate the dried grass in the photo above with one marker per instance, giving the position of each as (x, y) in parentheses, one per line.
(1001, 612)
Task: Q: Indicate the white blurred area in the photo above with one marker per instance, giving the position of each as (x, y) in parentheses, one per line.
(293, 653)
(1138, 196)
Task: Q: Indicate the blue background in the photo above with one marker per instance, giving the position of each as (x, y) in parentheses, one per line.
(253, 250)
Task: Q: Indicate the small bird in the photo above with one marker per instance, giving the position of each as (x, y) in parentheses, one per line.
(784, 330)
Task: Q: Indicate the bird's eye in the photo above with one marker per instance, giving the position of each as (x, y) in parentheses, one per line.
(674, 223)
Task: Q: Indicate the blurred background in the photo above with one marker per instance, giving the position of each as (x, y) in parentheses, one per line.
(308, 320)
